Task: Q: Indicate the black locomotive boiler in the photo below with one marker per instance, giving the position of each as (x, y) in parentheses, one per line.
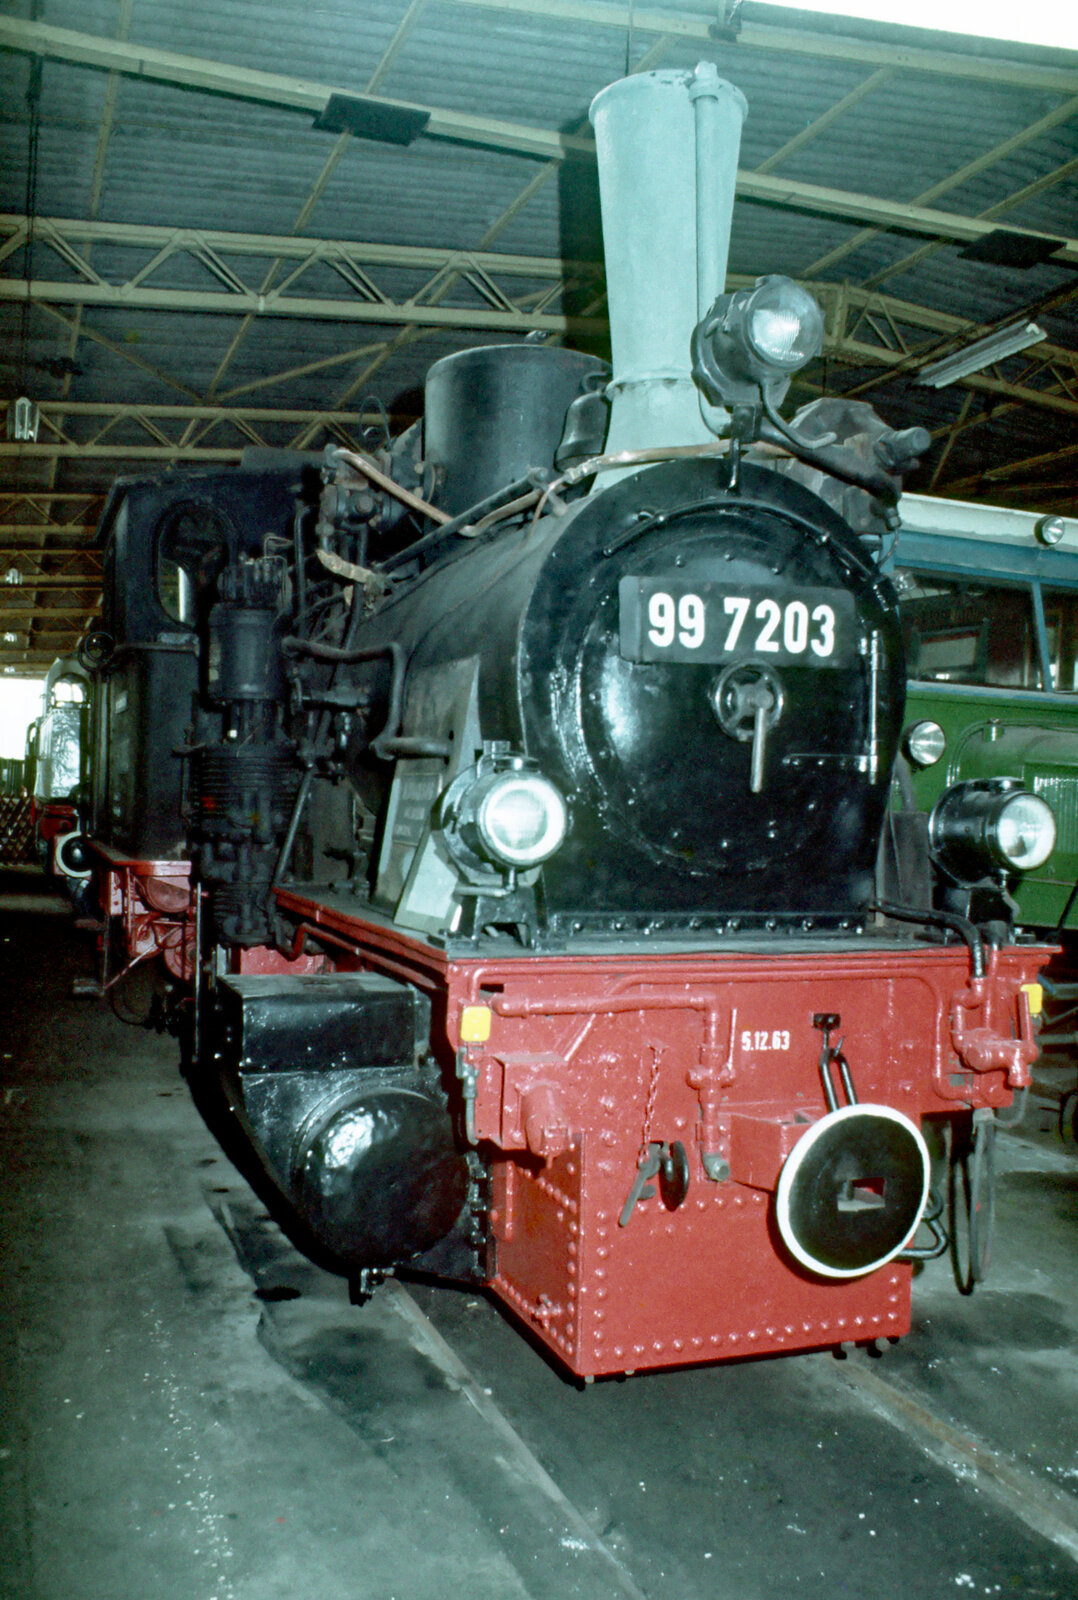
(516, 802)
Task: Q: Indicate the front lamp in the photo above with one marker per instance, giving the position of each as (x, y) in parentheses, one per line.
(503, 813)
(72, 855)
(520, 818)
(925, 743)
(991, 826)
(756, 338)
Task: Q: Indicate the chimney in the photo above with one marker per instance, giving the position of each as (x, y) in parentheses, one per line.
(667, 145)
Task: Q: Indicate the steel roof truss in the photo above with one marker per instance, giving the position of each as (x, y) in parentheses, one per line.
(791, 41)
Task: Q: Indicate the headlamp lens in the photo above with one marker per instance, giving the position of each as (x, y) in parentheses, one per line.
(783, 324)
(987, 824)
(522, 819)
(1025, 832)
(925, 743)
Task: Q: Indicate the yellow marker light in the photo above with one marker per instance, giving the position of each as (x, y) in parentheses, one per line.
(475, 1024)
(1035, 992)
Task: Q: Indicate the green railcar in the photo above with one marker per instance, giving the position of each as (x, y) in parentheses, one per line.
(989, 602)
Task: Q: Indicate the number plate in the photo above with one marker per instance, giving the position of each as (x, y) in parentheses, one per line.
(676, 620)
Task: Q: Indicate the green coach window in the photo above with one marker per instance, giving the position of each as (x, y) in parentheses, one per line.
(1061, 623)
(961, 630)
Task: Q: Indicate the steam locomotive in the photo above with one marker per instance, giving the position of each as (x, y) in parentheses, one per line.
(511, 807)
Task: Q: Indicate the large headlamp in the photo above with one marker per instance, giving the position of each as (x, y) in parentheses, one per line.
(503, 813)
(520, 818)
(756, 338)
(991, 826)
(71, 855)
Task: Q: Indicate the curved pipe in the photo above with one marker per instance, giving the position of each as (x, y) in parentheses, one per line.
(941, 919)
(346, 653)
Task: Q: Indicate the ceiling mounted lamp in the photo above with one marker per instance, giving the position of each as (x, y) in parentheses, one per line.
(982, 353)
(23, 419)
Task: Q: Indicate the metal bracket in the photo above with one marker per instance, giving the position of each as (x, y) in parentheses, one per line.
(827, 1022)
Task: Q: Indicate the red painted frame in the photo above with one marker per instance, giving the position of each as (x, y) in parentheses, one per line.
(589, 1058)
(155, 904)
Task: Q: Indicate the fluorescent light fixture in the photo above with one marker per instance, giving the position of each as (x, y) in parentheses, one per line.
(980, 354)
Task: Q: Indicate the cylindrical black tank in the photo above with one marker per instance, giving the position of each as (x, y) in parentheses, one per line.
(244, 660)
(376, 1173)
(246, 774)
(494, 413)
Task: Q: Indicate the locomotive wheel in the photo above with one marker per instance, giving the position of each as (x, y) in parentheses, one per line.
(972, 1202)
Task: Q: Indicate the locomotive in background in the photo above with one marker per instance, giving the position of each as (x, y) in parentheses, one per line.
(56, 777)
(513, 806)
(989, 604)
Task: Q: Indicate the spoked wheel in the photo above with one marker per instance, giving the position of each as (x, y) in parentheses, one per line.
(972, 1199)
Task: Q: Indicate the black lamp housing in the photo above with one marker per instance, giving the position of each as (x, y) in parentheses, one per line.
(991, 828)
(754, 340)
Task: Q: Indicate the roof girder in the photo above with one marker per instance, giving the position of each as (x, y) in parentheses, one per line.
(306, 211)
(441, 266)
(305, 95)
(792, 41)
(954, 180)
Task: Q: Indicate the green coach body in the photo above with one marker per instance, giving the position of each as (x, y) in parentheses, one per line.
(989, 601)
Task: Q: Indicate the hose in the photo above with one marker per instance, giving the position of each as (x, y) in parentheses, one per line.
(972, 1196)
(941, 919)
(473, 519)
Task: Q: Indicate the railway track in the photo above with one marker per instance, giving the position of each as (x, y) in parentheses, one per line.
(803, 1474)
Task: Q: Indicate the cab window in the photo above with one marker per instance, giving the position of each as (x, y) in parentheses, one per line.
(192, 545)
(967, 631)
(1061, 621)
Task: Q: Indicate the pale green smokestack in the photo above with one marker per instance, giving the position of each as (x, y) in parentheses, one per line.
(667, 145)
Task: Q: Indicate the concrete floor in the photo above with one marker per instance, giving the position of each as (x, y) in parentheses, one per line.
(190, 1409)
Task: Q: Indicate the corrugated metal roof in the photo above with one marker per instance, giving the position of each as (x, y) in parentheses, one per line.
(182, 158)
